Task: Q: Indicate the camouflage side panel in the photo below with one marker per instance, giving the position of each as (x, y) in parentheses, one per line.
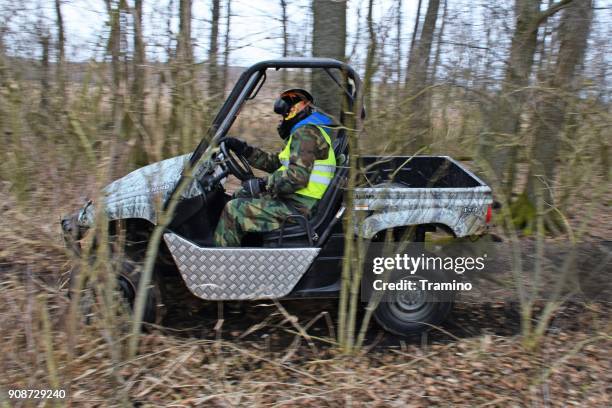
(307, 145)
(463, 210)
(140, 193)
(239, 273)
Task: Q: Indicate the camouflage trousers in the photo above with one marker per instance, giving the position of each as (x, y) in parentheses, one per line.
(243, 215)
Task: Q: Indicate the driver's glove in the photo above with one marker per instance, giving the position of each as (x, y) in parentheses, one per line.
(253, 188)
(240, 147)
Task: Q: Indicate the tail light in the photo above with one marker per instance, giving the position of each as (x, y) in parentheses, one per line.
(489, 213)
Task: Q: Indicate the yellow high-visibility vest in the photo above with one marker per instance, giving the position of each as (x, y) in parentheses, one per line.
(322, 171)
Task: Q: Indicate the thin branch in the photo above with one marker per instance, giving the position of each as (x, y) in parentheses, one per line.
(551, 11)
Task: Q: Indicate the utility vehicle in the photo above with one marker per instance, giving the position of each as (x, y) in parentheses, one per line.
(304, 257)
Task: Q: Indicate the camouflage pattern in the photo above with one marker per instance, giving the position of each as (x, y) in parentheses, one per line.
(242, 215)
(139, 193)
(463, 210)
(307, 145)
(390, 205)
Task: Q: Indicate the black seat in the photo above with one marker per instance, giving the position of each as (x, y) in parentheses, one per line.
(326, 208)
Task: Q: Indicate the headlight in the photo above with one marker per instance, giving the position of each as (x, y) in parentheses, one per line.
(73, 229)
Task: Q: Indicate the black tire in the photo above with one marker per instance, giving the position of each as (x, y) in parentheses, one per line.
(407, 313)
(128, 279)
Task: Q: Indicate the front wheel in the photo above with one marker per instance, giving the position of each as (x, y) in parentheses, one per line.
(410, 312)
(128, 279)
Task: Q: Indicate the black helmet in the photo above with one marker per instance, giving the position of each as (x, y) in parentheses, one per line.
(284, 104)
(290, 97)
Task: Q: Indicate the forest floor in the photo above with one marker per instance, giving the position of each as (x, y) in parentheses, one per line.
(256, 357)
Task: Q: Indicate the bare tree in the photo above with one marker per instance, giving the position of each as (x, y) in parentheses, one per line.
(551, 107)
(436, 62)
(214, 86)
(226, 44)
(182, 72)
(417, 81)
(370, 64)
(415, 30)
(139, 80)
(398, 45)
(487, 57)
(45, 91)
(3, 64)
(328, 40)
(506, 113)
(138, 86)
(61, 49)
(285, 23)
(184, 49)
(113, 10)
(114, 50)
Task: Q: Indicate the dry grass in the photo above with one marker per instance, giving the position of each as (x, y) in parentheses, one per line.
(46, 173)
(571, 368)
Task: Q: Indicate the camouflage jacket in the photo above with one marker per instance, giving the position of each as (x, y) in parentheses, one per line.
(307, 145)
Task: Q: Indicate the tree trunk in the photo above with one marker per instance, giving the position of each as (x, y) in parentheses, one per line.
(328, 40)
(137, 102)
(214, 85)
(184, 51)
(114, 49)
(415, 30)
(139, 80)
(45, 92)
(284, 21)
(418, 80)
(510, 101)
(398, 46)
(436, 61)
(543, 52)
(370, 65)
(488, 60)
(3, 64)
(506, 113)
(551, 107)
(226, 45)
(182, 70)
(61, 50)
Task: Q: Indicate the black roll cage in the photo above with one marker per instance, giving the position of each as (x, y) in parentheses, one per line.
(247, 87)
(251, 80)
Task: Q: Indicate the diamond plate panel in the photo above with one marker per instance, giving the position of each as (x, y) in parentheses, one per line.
(239, 273)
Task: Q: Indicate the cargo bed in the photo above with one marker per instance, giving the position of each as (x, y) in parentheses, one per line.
(402, 191)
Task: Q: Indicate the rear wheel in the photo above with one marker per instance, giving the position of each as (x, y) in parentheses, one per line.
(409, 312)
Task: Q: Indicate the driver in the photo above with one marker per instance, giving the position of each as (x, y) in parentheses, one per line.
(300, 173)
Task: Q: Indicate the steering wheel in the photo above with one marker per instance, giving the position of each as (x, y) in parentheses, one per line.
(236, 164)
